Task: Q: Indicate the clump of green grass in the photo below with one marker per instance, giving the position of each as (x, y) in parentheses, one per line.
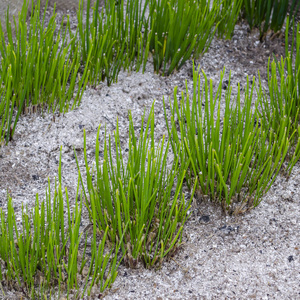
(268, 14)
(42, 245)
(280, 105)
(172, 32)
(179, 30)
(42, 64)
(100, 38)
(45, 62)
(7, 101)
(228, 17)
(42, 252)
(138, 196)
(233, 157)
(114, 36)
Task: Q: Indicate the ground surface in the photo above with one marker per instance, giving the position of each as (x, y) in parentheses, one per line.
(256, 255)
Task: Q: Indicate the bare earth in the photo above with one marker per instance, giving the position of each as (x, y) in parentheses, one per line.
(251, 256)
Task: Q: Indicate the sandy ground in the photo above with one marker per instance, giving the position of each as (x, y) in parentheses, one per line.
(15, 6)
(252, 256)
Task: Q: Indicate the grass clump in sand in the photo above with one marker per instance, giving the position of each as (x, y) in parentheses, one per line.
(233, 157)
(138, 196)
(44, 253)
(39, 67)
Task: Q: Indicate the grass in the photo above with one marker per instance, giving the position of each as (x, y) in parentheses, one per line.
(7, 126)
(112, 36)
(172, 32)
(280, 104)
(39, 67)
(50, 66)
(180, 29)
(234, 159)
(139, 197)
(135, 201)
(228, 17)
(269, 14)
(43, 249)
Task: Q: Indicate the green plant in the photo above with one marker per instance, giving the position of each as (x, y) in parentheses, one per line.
(42, 245)
(231, 155)
(228, 16)
(44, 250)
(280, 105)
(7, 101)
(42, 64)
(114, 38)
(180, 29)
(138, 197)
(268, 14)
(172, 32)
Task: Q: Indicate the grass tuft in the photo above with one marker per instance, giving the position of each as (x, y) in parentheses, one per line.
(138, 196)
(280, 105)
(268, 14)
(41, 251)
(233, 157)
(39, 67)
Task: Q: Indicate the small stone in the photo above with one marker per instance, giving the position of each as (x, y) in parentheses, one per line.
(287, 196)
(78, 145)
(94, 290)
(225, 85)
(85, 271)
(205, 218)
(35, 177)
(290, 258)
(226, 229)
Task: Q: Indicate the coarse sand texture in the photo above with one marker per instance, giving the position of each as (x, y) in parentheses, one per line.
(16, 5)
